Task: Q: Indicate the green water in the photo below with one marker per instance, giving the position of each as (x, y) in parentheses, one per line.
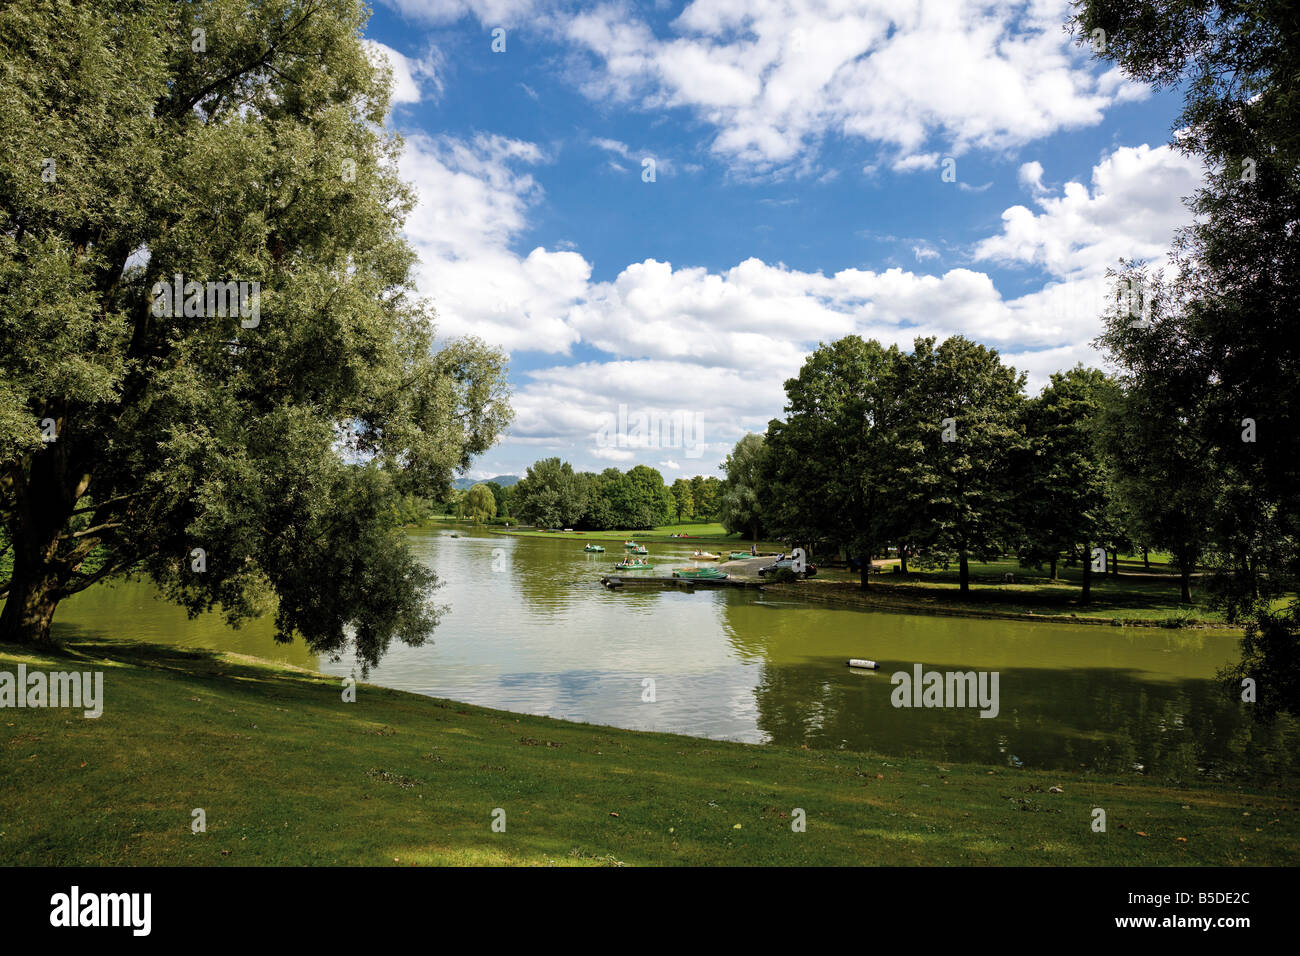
(529, 629)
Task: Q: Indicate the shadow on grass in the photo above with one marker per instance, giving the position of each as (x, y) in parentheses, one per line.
(78, 646)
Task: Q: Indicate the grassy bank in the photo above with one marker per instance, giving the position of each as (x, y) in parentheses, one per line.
(289, 774)
(1136, 596)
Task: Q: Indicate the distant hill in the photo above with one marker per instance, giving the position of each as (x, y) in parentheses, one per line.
(505, 481)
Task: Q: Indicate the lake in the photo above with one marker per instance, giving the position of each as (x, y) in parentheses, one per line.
(528, 628)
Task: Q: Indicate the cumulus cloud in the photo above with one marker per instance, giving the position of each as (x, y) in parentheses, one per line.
(473, 198)
(1031, 177)
(772, 79)
(1132, 210)
(413, 79)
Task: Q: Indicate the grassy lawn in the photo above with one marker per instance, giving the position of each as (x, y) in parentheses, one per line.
(1135, 596)
(289, 774)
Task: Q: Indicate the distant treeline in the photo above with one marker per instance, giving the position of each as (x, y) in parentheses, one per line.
(553, 495)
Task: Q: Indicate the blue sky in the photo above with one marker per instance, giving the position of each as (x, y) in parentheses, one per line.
(799, 153)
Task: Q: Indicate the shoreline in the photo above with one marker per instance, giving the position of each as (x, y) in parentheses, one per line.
(847, 595)
(402, 778)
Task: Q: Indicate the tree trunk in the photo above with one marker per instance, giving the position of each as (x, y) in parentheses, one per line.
(1185, 581)
(902, 559)
(1053, 567)
(863, 573)
(1114, 564)
(1086, 596)
(44, 499)
(29, 608)
(35, 582)
(964, 575)
(1146, 559)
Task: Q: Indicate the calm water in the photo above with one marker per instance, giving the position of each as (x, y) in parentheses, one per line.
(529, 629)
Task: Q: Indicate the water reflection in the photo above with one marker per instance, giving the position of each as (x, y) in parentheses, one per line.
(529, 629)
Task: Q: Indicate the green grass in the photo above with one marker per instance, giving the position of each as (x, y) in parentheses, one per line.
(289, 774)
(1135, 596)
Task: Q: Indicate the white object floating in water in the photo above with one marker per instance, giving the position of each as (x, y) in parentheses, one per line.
(859, 662)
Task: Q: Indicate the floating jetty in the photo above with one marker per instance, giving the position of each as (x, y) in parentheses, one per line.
(616, 582)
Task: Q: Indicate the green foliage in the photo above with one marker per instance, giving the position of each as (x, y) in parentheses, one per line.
(1225, 343)
(550, 495)
(502, 497)
(683, 500)
(954, 450)
(740, 503)
(264, 159)
(831, 464)
(704, 494)
(480, 502)
(413, 509)
(1271, 660)
(1068, 498)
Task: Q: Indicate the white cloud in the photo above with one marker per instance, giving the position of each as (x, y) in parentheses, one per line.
(1132, 210)
(410, 76)
(472, 206)
(774, 78)
(637, 158)
(613, 146)
(907, 164)
(1031, 177)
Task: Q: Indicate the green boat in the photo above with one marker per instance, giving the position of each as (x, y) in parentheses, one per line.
(639, 549)
(701, 574)
(740, 556)
(594, 547)
(626, 565)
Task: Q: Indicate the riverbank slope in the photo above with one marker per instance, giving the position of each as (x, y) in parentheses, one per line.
(286, 772)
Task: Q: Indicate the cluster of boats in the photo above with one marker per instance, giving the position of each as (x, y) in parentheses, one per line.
(631, 563)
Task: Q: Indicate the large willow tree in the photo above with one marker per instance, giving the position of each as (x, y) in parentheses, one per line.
(248, 460)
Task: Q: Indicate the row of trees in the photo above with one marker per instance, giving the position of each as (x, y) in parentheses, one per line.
(939, 453)
(553, 495)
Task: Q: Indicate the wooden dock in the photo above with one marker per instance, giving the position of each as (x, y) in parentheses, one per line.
(616, 582)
